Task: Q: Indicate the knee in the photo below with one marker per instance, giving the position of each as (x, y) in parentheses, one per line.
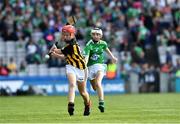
(71, 85)
(98, 85)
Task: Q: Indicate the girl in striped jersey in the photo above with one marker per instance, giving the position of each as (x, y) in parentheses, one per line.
(75, 68)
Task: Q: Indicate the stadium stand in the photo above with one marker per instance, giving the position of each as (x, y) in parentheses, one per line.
(139, 32)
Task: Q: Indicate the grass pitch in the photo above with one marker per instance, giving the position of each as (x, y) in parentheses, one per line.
(139, 108)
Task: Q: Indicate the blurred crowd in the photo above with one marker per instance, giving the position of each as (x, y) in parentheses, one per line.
(143, 34)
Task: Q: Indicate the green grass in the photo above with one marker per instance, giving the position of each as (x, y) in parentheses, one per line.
(144, 108)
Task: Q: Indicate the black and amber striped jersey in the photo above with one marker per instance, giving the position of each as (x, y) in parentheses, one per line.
(73, 55)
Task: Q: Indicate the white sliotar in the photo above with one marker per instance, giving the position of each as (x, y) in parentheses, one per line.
(47, 56)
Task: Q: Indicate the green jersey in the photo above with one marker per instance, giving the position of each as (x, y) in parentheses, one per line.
(95, 52)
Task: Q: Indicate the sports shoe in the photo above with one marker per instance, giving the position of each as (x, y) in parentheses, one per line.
(101, 106)
(71, 108)
(87, 108)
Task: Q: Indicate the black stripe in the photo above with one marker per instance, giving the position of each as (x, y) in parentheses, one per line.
(77, 63)
(71, 63)
(82, 62)
(81, 57)
(79, 52)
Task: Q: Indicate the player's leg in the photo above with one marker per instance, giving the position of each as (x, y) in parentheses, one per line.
(99, 77)
(82, 90)
(71, 96)
(85, 95)
(93, 84)
(91, 75)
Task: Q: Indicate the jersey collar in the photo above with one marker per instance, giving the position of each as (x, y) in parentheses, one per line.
(95, 43)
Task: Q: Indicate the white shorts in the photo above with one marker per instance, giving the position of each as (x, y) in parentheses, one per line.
(93, 70)
(81, 75)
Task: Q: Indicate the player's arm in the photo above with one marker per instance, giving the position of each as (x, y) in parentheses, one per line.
(52, 49)
(58, 55)
(114, 59)
(57, 51)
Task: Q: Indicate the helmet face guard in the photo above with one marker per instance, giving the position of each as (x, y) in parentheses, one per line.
(96, 30)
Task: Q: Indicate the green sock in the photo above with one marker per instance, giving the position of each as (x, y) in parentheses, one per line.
(101, 103)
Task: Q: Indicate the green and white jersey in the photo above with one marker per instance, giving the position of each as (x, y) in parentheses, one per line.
(95, 51)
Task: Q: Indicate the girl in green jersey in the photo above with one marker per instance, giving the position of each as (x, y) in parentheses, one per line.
(94, 57)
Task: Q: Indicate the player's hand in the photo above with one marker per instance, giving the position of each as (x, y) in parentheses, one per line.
(114, 60)
(56, 50)
(53, 54)
(52, 48)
